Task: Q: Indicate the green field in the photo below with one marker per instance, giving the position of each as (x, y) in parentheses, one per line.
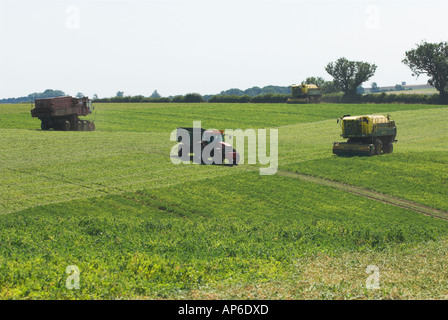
(137, 226)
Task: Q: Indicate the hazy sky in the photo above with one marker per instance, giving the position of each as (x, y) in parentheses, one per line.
(205, 46)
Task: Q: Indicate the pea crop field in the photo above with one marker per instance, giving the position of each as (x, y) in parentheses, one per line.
(137, 226)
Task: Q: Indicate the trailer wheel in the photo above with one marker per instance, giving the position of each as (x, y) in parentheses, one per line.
(66, 126)
(85, 126)
(44, 125)
(390, 148)
(378, 146)
(79, 126)
(237, 159)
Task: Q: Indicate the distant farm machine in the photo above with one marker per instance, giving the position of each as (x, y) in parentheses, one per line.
(367, 135)
(198, 139)
(305, 93)
(62, 113)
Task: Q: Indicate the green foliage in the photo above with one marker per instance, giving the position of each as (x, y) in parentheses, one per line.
(255, 91)
(263, 98)
(49, 93)
(318, 81)
(161, 241)
(382, 98)
(325, 86)
(431, 59)
(193, 97)
(374, 88)
(349, 75)
(111, 202)
(155, 95)
(230, 99)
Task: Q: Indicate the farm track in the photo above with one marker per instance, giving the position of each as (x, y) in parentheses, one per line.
(377, 196)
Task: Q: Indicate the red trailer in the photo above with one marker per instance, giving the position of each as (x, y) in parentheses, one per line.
(61, 113)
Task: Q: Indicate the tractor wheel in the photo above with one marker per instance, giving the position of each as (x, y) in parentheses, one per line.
(391, 147)
(378, 146)
(91, 126)
(79, 126)
(387, 148)
(237, 159)
(66, 126)
(233, 161)
(85, 126)
(44, 125)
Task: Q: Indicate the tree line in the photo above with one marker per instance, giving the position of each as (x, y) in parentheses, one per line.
(348, 76)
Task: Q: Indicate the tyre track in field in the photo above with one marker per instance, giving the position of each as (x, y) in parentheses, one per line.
(377, 196)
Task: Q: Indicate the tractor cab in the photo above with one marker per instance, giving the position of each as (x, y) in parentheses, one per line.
(210, 136)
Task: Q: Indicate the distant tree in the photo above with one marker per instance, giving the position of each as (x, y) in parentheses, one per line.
(399, 87)
(431, 59)
(349, 75)
(232, 92)
(79, 95)
(374, 88)
(178, 98)
(254, 91)
(193, 97)
(318, 81)
(120, 94)
(330, 87)
(155, 95)
(95, 97)
(326, 86)
(360, 90)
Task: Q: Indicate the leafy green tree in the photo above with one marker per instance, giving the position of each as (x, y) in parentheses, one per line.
(360, 90)
(155, 95)
(349, 75)
(431, 59)
(318, 81)
(79, 95)
(95, 97)
(193, 97)
(374, 87)
(326, 86)
(120, 94)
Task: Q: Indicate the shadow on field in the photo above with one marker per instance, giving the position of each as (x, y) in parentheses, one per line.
(200, 162)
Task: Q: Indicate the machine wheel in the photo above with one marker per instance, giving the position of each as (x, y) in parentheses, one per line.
(91, 126)
(378, 146)
(66, 126)
(79, 126)
(390, 148)
(44, 125)
(233, 161)
(237, 159)
(85, 126)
